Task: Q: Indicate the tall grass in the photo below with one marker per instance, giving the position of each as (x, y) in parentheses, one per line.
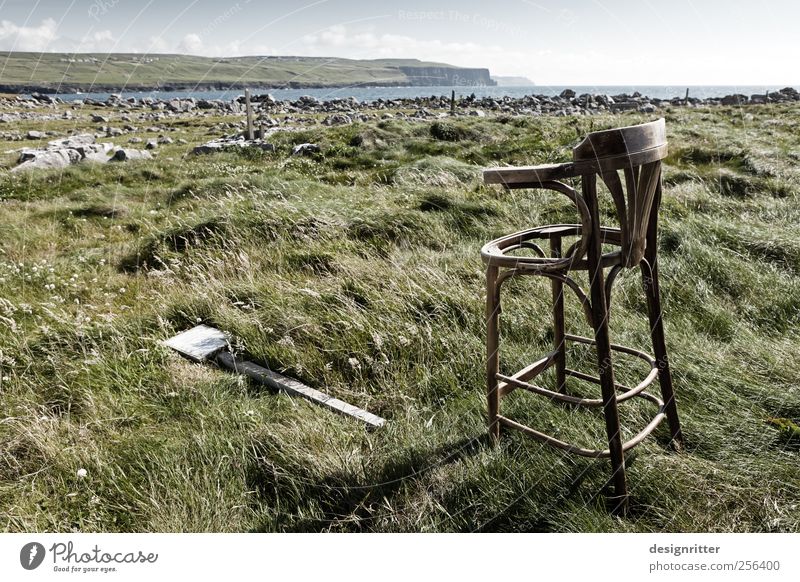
(358, 272)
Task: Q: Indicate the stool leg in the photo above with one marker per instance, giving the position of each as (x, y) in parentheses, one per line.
(650, 283)
(559, 345)
(492, 354)
(619, 503)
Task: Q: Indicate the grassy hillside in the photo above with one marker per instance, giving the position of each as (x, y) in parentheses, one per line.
(133, 71)
(357, 270)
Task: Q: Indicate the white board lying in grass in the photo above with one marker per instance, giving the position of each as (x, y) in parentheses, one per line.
(205, 344)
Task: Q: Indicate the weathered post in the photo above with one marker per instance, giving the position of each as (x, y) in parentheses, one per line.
(686, 99)
(453, 102)
(263, 131)
(249, 107)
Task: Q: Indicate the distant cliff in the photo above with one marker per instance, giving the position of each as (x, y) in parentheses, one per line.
(26, 72)
(421, 76)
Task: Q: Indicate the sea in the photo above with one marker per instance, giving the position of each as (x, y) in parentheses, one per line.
(366, 94)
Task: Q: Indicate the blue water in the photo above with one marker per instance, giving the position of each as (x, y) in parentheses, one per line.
(374, 93)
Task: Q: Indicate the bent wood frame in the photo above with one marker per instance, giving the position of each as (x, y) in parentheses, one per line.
(634, 152)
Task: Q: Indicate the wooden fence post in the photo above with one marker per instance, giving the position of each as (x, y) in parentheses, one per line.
(249, 107)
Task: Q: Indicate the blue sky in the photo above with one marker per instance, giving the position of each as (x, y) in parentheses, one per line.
(580, 42)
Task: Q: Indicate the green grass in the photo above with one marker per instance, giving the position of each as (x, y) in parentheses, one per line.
(125, 70)
(358, 272)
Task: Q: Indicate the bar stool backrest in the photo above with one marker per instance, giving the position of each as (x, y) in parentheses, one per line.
(635, 152)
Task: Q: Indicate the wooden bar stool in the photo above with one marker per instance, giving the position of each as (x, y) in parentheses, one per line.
(628, 160)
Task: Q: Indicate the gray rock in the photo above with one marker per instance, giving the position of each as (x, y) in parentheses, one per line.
(96, 158)
(567, 94)
(305, 149)
(735, 99)
(99, 119)
(337, 119)
(264, 98)
(125, 155)
(231, 143)
(47, 159)
(477, 113)
(165, 139)
(73, 141)
(624, 106)
(35, 135)
(208, 148)
(151, 144)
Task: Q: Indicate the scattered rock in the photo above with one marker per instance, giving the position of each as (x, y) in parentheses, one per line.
(35, 135)
(735, 99)
(124, 155)
(337, 119)
(47, 159)
(219, 145)
(305, 149)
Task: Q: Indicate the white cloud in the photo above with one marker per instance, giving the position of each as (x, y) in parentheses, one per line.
(340, 41)
(27, 38)
(191, 44)
(101, 41)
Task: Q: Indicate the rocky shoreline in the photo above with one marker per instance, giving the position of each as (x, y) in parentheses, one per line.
(117, 116)
(567, 103)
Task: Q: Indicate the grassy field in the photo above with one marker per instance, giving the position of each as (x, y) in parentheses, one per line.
(132, 71)
(357, 270)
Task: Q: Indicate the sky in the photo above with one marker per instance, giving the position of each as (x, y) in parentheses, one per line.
(578, 42)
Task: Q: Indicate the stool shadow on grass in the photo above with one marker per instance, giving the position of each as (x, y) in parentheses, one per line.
(347, 500)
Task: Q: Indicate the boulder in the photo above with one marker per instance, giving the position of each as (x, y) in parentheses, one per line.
(125, 155)
(337, 119)
(35, 135)
(47, 159)
(735, 99)
(74, 141)
(223, 144)
(305, 149)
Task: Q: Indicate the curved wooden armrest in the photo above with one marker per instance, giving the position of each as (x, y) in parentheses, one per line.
(528, 176)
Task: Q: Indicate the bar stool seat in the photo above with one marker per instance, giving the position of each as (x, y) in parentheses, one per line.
(635, 152)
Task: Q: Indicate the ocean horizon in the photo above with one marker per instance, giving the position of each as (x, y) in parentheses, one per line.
(375, 93)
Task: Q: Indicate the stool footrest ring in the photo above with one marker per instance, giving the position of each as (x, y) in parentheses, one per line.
(519, 380)
(593, 453)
